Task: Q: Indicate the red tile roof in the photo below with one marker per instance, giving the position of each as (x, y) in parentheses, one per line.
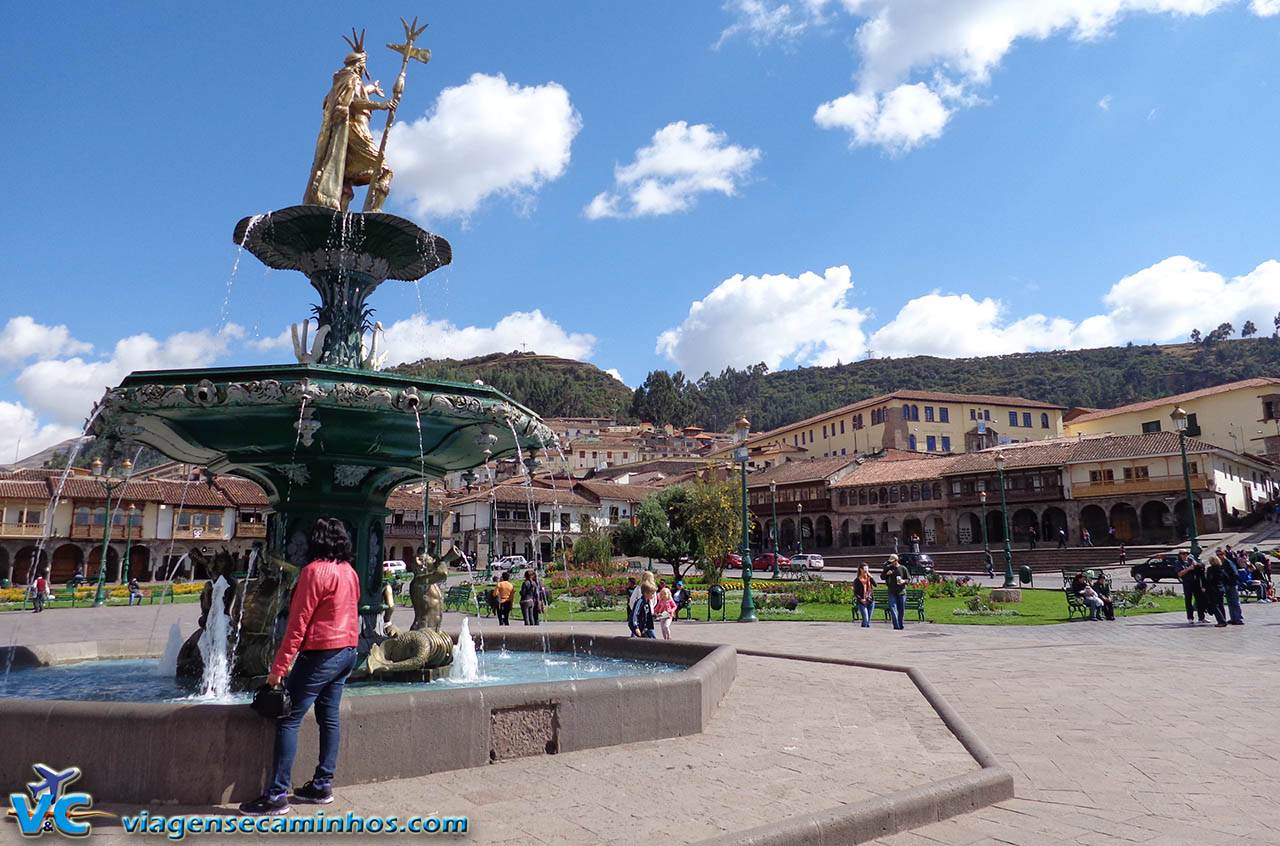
(793, 472)
(83, 487)
(242, 492)
(23, 490)
(611, 490)
(1169, 402)
(190, 494)
(879, 471)
(1052, 452)
(1130, 446)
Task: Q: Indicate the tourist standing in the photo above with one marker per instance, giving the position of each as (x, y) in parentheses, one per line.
(1124, 557)
(896, 578)
(1062, 538)
(1032, 536)
(1231, 589)
(864, 600)
(663, 611)
(642, 611)
(530, 598)
(505, 591)
(1192, 576)
(323, 631)
(1086, 539)
(1214, 581)
(682, 598)
(40, 593)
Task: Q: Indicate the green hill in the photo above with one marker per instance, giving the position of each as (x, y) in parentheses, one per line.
(550, 386)
(1098, 378)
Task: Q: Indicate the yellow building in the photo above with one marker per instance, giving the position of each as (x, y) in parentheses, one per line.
(920, 421)
(1243, 416)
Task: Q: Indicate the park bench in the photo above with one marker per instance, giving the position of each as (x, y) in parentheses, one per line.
(914, 602)
(458, 598)
(1077, 606)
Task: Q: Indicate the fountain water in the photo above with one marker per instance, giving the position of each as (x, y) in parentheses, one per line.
(168, 665)
(216, 681)
(466, 664)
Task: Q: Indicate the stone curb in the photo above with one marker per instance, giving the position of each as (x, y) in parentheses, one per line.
(882, 816)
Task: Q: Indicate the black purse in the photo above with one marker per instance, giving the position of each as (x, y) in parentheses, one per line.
(271, 702)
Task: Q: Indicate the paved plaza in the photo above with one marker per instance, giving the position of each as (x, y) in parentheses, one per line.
(1143, 730)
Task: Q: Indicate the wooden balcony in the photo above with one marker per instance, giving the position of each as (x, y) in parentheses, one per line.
(95, 532)
(251, 530)
(200, 533)
(21, 530)
(1048, 493)
(1137, 487)
(408, 529)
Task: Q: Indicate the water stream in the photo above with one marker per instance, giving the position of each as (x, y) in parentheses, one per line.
(215, 683)
(466, 665)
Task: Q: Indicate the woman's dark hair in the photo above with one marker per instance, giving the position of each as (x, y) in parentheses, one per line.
(329, 541)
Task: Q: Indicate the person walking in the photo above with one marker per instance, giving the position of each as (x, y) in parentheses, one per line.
(1086, 539)
(664, 609)
(1032, 536)
(322, 634)
(530, 598)
(505, 591)
(633, 593)
(1124, 556)
(864, 600)
(896, 578)
(40, 591)
(1062, 538)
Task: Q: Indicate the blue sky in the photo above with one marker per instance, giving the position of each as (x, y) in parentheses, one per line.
(663, 185)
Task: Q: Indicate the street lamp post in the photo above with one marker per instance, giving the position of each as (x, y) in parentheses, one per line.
(986, 548)
(773, 504)
(109, 484)
(128, 543)
(799, 528)
(742, 429)
(493, 531)
(1009, 580)
(1180, 423)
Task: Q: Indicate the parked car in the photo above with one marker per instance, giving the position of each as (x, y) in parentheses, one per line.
(511, 562)
(393, 568)
(764, 561)
(811, 561)
(917, 563)
(1157, 567)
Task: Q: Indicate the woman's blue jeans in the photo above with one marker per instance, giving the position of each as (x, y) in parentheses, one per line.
(318, 677)
(866, 611)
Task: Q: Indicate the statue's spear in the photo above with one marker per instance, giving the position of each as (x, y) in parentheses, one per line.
(373, 200)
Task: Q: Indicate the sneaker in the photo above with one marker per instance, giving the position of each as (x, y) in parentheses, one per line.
(1219, 625)
(267, 804)
(314, 793)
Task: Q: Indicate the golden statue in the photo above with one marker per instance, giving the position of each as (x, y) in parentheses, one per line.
(424, 591)
(346, 155)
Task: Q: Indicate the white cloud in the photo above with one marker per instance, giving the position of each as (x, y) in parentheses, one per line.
(899, 121)
(770, 318)
(682, 162)
(417, 337)
(65, 389)
(951, 43)
(1105, 103)
(21, 434)
(1161, 303)
(485, 137)
(613, 371)
(23, 338)
(276, 343)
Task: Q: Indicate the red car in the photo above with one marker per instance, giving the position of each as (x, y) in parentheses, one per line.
(764, 561)
(732, 561)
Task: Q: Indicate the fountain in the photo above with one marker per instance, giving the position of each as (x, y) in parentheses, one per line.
(330, 436)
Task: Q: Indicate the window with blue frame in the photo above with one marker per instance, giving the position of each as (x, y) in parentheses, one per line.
(911, 442)
(932, 442)
(1013, 418)
(1026, 419)
(946, 444)
(943, 416)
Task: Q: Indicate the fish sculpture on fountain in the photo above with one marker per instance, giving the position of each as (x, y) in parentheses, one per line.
(329, 435)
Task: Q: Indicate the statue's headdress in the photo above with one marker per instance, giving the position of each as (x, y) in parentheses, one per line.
(357, 53)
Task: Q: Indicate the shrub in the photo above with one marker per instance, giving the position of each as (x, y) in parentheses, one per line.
(778, 600)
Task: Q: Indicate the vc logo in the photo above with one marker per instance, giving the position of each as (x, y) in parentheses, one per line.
(50, 807)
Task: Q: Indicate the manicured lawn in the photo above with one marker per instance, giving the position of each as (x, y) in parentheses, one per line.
(1038, 607)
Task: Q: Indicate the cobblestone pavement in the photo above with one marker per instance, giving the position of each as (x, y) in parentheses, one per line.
(1144, 730)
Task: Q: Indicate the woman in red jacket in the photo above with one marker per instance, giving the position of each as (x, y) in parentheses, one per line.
(323, 631)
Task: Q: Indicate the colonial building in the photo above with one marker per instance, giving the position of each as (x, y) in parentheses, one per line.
(1242, 416)
(799, 492)
(920, 421)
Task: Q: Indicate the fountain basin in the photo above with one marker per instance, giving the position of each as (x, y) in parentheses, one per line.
(150, 753)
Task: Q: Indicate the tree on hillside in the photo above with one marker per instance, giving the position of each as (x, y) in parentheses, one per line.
(1277, 322)
(1223, 332)
(1195, 336)
(1248, 329)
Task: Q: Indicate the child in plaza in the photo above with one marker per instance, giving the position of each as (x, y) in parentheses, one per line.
(663, 612)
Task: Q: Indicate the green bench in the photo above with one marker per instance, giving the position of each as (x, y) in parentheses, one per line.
(914, 602)
(459, 598)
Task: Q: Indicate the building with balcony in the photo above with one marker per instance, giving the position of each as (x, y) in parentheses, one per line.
(889, 499)
(800, 493)
(1242, 416)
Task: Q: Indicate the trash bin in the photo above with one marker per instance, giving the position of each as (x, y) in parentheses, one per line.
(1024, 574)
(715, 597)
